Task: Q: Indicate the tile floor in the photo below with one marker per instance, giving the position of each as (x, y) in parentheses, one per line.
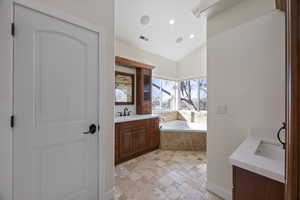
(163, 175)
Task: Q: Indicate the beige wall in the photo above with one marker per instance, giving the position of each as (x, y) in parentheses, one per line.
(98, 12)
(246, 69)
(193, 65)
(165, 68)
(241, 13)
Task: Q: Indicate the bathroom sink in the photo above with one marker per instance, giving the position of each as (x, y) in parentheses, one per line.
(270, 150)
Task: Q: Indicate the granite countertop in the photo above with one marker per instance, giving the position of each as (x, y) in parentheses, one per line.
(270, 166)
(135, 118)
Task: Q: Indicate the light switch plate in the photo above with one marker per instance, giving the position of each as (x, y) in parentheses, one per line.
(222, 110)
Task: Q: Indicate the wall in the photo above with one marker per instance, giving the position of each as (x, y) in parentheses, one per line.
(241, 13)
(98, 12)
(131, 108)
(246, 70)
(165, 68)
(193, 65)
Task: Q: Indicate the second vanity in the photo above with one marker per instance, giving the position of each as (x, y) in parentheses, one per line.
(258, 170)
(135, 135)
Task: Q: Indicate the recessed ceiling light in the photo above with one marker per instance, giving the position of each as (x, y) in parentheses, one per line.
(178, 40)
(145, 20)
(192, 36)
(172, 21)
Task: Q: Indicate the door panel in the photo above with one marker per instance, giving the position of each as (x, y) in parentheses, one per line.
(55, 101)
(53, 70)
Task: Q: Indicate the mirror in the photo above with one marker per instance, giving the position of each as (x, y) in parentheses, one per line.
(124, 88)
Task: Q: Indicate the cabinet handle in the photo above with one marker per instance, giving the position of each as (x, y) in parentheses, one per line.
(278, 134)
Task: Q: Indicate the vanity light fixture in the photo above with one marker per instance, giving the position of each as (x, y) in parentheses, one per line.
(192, 36)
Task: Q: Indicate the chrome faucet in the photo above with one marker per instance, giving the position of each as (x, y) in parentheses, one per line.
(125, 111)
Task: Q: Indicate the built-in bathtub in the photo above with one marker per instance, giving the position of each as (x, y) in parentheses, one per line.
(183, 135)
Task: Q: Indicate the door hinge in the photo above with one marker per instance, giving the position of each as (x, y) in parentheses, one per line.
(13, 29)
(12, 121)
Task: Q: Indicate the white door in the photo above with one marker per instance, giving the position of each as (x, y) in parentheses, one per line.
(55, 102)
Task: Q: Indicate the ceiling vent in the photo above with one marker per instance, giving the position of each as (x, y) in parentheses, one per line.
(144, 38)
(179, 40)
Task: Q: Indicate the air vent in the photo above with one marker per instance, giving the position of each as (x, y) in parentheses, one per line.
(144, 38)
(179, 40)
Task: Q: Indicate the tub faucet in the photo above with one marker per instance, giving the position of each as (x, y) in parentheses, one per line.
(162, 119)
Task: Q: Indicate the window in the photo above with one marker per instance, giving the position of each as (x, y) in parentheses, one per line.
(193, 94)
(156, 83)
(163, 94)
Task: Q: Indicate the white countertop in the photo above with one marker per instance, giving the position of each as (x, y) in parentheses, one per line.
(135, 118)
(246, 158)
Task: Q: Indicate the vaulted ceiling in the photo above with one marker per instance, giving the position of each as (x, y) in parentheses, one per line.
(171, 27)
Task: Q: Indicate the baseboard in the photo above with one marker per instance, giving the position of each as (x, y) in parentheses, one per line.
(109, 195)
(225, 194)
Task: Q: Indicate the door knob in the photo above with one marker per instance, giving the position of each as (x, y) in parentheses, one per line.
(92, 129)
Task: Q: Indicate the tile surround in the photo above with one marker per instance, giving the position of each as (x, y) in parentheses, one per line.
(168, 116)
(183, 141)
(163, 175)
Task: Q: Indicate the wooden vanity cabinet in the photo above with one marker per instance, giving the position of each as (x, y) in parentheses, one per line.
(135, 138)
(250, 186)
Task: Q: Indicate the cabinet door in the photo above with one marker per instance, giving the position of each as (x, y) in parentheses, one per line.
(126, 141)
(147, 107)
(251, 186)
(117, 143)
(154, 133)
(139, 133)
(144, 91)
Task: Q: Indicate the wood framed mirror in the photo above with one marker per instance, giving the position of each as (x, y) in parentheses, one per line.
(124, 88)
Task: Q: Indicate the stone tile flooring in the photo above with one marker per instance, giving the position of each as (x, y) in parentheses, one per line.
(163, 175)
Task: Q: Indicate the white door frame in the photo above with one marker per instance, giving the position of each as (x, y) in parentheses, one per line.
(101, 35)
